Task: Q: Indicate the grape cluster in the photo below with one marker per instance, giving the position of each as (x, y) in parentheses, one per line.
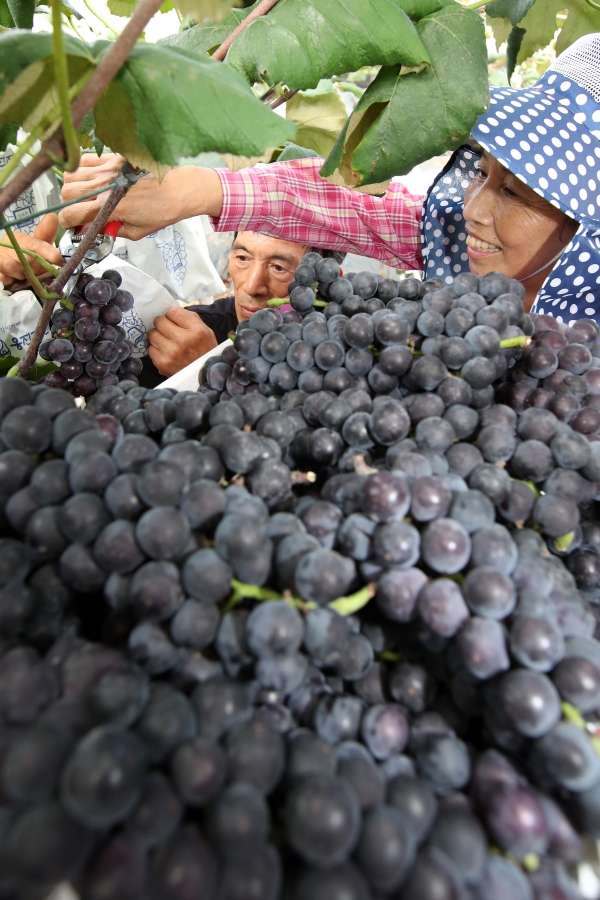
(323, 641)
(87, 341)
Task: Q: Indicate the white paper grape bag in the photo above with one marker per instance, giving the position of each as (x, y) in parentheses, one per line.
(19, 314)
(177, 258)
(151, 300)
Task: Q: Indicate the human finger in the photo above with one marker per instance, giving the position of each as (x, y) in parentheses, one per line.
(169, 329)
(80, 213)
(47, 229)
(158, 340)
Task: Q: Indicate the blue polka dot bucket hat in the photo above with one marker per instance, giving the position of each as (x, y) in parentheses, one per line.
(549, 137)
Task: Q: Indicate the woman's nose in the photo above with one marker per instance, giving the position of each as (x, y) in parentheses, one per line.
(480, 202)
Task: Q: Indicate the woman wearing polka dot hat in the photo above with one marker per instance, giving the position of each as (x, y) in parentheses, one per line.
(523, 198)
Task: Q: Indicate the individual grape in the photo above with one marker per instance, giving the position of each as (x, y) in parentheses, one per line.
(396, 544)
(445, 546)
(442, 607)
(489, 592)
(87, 330)
(120, 696)
(322, 820)
(162, 532)
(82, 517)
(482, 648)
(322, 576)
(565, 758)
(458, 835)
(185, 866)
(428, 372)
(570, 450)
(45, 846)
(102, 780)
(85, 310)
(27, 429)
(199, 771)
(443, 761)
(340, 289)
(33, 763)
(555, 515)
(414, 799)
(386, 849)
(385, 730)
(98, 292)
(302, 299)
(578, 682)
(256, 755)
(530, 702)
(536, 643)
(149, 646)
(496, 443)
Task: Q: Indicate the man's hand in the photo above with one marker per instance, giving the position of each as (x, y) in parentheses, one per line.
(41, 243)
(148, 205)
(177, 339)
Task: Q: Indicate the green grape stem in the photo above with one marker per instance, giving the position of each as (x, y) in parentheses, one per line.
(523, 340)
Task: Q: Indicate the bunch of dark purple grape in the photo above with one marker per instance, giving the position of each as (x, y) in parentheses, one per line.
(249, 650)
(88, 343)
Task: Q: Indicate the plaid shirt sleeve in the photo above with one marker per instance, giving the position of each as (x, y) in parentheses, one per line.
(291, 201)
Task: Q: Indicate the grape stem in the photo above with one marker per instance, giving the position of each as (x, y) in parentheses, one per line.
(523, 340)
(347, 606)
(56, 287)
(562, 543)
(261, 10)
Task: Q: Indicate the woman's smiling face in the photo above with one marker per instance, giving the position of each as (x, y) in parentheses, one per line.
(510, 228)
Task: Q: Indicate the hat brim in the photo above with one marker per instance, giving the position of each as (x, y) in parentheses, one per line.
(542, 136)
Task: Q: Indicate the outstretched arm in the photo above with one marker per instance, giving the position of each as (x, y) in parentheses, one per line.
(287, 200)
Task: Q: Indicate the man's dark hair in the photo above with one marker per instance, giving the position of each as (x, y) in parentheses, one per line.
(338, 255)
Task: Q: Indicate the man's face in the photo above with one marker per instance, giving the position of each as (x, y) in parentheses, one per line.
(261, 267)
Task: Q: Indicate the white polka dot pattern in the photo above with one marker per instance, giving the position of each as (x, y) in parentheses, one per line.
(560, 156)
(571, 290)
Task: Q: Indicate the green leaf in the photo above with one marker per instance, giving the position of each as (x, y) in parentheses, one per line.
(166, 103)
(515, 39)
(121, 7)
(404, 119)
(319, 119)
(540, 25)
(294, 151)
(514, 10)
(6, 19)
(22, 12)
(27, 89)
(206, 38)
(8, 135)
(213, 10)
(302, 41)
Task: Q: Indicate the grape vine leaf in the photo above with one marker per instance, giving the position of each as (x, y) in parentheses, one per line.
(6, 19)
(513, 45)
(294, 151)
(540, 25)
(22, 12)
(153, 109)
(403, 118)
(8, 135)
(319, 119)
(27, 91)
(302, 41)
(207, 37)
(514, 10)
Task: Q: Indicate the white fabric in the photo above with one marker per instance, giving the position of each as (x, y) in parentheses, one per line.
(177, 257)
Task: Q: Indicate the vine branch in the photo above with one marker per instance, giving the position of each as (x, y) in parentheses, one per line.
(61, 75)
(261, 10)
(56, 287)
(87, 99)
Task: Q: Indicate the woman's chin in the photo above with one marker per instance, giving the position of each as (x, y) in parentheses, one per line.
(481, 262)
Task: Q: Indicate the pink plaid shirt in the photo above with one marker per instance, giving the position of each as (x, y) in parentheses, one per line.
(291, 201)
